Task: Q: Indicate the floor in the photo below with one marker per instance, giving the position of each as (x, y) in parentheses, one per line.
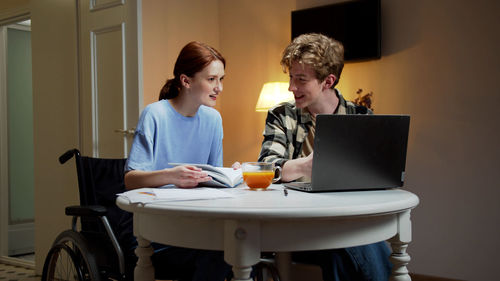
(16, 273)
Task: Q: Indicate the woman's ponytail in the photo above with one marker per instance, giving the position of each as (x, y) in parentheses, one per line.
(170, 90)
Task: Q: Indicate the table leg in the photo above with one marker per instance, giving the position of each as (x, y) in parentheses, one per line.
(144, 269)
(399, 243)
(284, 265)
(241, 247)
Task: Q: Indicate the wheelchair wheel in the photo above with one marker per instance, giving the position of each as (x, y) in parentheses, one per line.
(61, 264)
(69, 259)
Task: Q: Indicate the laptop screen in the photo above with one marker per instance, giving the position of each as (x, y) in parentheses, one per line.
(358, 152)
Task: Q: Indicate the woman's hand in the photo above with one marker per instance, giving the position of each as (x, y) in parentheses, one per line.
(236, 165)
(182, 176)
(187, 176)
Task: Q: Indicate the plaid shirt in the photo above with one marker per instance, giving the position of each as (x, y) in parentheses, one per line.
(287, 127)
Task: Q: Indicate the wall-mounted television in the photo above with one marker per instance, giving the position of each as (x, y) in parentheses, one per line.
(355, 23)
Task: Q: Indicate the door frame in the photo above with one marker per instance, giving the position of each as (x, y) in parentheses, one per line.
(7, 17)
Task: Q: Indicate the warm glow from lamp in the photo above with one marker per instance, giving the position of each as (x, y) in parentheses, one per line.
(273, 93)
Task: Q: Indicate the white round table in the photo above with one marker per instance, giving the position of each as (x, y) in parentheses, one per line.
(256, 221)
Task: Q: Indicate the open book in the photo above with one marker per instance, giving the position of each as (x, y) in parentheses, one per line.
(221, 176)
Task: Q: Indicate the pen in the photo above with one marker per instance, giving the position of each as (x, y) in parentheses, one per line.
(285, 191)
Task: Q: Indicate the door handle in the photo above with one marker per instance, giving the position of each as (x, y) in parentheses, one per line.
(129, 132)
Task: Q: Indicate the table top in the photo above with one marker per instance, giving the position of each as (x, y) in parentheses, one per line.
(272, 204)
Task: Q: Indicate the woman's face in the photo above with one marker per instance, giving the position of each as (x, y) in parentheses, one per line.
(206, 85)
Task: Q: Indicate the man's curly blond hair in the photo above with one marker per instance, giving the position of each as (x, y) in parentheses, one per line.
(324, 54)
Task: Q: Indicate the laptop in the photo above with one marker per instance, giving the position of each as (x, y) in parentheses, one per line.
(357, 152)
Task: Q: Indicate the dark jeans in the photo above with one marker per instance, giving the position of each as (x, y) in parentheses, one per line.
(171, 262)
(201, 265)
(362, 263)
(184, 264)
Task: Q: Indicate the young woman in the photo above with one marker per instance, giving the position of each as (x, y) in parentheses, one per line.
(181, 127)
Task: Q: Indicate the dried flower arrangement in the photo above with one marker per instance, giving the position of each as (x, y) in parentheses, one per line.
(364, 99)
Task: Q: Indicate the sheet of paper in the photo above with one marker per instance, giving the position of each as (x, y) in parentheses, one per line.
(149, 195)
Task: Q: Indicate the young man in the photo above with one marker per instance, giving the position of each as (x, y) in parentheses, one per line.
(314, 63)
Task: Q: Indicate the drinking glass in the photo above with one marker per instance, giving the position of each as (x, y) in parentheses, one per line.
(260, 175)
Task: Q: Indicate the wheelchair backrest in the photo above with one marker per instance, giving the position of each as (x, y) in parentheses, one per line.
(99, 180)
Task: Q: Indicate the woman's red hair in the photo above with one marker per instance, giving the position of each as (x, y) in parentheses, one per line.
(193, 58)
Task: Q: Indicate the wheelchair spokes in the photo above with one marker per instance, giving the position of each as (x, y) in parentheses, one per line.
(69, 260)
(62, 265)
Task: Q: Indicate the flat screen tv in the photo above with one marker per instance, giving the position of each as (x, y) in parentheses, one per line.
(354, 23)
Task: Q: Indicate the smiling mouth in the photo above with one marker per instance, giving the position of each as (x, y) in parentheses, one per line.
(213, 97)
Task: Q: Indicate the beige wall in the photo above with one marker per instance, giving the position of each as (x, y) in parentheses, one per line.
(167, 27)
(436, 66)
(8, 6)
(253, 35)
(443, 71)
(249, 34)
(55, 111)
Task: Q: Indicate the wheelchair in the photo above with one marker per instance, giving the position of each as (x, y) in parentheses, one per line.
(93, 252)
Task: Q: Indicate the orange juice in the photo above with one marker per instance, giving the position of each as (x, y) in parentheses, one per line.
(259, 179)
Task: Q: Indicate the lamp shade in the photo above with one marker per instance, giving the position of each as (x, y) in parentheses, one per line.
(273, 93)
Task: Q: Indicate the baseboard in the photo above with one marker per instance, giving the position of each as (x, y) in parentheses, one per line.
(313, 273)
(17, 262)
(421, 277)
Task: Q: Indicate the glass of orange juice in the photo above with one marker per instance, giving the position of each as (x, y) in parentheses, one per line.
(259, 175)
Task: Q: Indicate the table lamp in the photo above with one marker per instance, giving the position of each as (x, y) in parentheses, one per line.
(273, 93)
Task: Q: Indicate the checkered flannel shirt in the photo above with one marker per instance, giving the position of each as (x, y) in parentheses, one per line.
(287, 127)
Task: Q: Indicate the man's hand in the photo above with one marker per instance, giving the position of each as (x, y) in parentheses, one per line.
(307, 165)
(296, 168)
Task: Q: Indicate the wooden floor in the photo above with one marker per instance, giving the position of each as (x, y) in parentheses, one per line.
(420, 277)
(17, 273)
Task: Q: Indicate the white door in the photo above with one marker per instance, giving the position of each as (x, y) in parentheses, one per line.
(110, 71)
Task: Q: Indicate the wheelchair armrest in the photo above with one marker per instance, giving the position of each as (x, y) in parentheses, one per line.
(86, 211)
(97, 211)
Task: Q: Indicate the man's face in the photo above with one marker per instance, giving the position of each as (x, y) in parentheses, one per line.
(305, 86)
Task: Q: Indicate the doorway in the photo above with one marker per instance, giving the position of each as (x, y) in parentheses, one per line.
(16, 150)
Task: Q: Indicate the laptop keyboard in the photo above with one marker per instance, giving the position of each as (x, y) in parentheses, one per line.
(303, 186)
